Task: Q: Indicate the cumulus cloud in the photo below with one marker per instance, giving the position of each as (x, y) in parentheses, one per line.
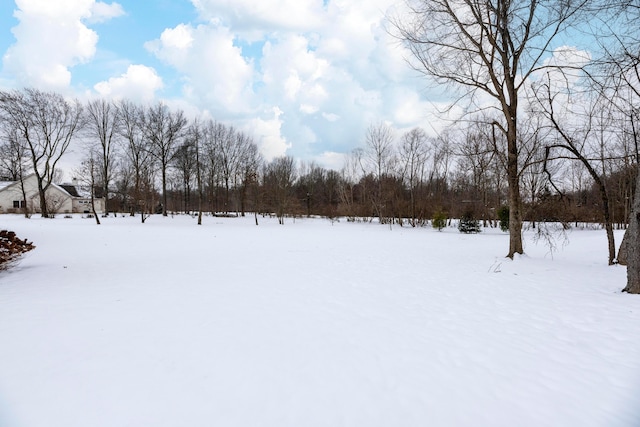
(215, 73)
(568, 55)
(102, 12)
(252, 17)
(138, 83)
(556, 66)
(331, 160)
(268, 135)
(290, 69)
(305, 76)
(51, 37)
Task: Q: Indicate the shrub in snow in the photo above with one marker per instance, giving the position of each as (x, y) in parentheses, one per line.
(11, 247)
(439, 220)
(468, 224)
(503, 217)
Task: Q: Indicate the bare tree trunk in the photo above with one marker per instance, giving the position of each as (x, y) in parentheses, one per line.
(93, 207)
(199, 177)
(164, 191)
(633, 244)
(25, 208)
(608, 225)
(515, 201)
(44, 211)
(92, 178)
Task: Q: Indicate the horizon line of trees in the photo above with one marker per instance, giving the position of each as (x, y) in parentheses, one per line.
(150, 159)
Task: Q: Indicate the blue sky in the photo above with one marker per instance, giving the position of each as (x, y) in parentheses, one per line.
(303, 77)
(121, 40)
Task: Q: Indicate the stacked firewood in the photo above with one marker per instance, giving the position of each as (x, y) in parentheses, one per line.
(11, 247)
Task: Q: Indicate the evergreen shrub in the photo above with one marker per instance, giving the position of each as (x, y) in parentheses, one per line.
(468, 224)
(503, 217)
(439, 220)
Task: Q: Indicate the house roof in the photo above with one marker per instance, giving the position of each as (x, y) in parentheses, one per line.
(75, 191)
(71, 189)
(5, 184)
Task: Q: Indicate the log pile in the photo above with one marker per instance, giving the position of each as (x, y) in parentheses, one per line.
(11, 247)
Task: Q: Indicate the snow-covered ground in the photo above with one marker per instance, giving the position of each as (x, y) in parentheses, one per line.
(311, 324)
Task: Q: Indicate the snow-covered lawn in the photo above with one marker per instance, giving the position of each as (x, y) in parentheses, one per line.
(311, 324)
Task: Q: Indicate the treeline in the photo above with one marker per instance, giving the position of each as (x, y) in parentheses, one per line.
(153, 159)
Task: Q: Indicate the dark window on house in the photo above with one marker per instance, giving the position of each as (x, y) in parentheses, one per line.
(17, 204)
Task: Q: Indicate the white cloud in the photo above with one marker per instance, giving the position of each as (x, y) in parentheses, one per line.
(407, 106)
(139, 83)
(179, 38)
(330, 117)
(329, 68)
(568, 55)
(61, 9)
(308, 109)
(51, 38)
(216, 74)
(331, 160)
(262, 17)
(268, 134)
(291, 70)
(571, 59)
(102, 12)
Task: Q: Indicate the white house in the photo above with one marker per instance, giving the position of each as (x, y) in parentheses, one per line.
(64, 198)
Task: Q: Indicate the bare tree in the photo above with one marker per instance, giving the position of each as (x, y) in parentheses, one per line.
(623, 62)
(163, 128)
(193, 138)
(103, 124)
(576, 142)
(229, 153)
(378, 161)
(185, 162)
(633, 244)
(414, 154)
(87, 175)
(212, 133)
(14, 161)
(138, 155)
(249, 166)
(47, 123)
(491, 46)
(349, 176)
(439, 174)
(476, 154)
(279, 177)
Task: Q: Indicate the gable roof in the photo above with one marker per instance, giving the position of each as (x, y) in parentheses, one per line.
(5, 185)
(71, 189)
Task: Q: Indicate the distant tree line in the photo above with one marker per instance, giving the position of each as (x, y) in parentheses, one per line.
(152, 159)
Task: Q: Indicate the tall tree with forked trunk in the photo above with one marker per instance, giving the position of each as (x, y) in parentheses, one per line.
(103, 124)
(492, 47)
(163, 128)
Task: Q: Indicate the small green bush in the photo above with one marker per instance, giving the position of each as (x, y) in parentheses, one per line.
(439, 220)
(503, 217)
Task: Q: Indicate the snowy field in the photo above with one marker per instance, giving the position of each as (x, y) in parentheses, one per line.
(311, 324)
